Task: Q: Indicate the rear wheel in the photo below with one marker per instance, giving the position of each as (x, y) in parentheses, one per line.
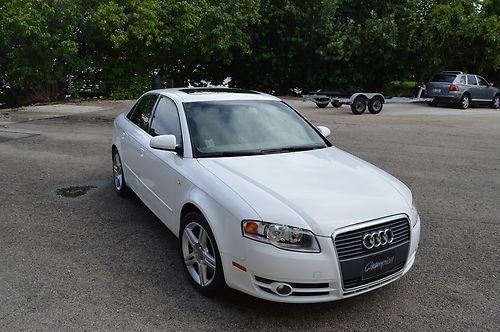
(358, 105)
(201, 254)
(375, 105)
(495, 103)
(118, 177)
(464, 101)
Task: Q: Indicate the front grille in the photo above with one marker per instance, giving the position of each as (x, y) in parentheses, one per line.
(299, 289)
(349, 245)
(354, 257)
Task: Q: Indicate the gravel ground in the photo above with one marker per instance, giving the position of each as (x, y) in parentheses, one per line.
(101, 262)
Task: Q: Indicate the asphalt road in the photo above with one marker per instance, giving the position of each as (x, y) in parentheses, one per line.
(103, 262)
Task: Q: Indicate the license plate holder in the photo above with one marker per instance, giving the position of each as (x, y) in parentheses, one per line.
(436, 90)
(379, 264)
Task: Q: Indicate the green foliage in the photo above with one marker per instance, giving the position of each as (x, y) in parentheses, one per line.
(134, 89)
(49, 48)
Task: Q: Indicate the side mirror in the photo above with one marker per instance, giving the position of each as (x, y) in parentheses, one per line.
(164, 142)
(490, 84)
(325, 131)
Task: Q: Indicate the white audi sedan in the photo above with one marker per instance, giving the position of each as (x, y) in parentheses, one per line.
(260, 199)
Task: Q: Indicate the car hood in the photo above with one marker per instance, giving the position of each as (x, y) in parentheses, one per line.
(321, 190)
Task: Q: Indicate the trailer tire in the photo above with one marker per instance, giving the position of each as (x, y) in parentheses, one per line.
(336, 104)
(375, 105)
(322, 105)
(358, 106)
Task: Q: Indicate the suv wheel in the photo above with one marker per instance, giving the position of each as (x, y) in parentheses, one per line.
(465, 101)
(496, 102)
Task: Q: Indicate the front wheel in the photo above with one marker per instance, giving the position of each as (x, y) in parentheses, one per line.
(322, 105)
(496, 102)
(375, 105)
(201, 255)
(464, 101)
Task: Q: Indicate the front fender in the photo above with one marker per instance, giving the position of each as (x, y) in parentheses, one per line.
(225, 224)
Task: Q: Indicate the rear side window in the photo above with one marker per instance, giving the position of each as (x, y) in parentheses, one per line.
(166, 120)
(446, 78)
(462, 80)
(482, 81)
(143, 110)
(471, 80)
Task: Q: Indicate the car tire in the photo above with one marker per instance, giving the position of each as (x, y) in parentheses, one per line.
(495, 103)
(322, 105)
(336, 104)
(464, 101)
(375, 105)
(200, 255)
(358, 106)
(118, 177)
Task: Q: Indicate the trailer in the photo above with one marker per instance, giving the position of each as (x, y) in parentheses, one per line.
(358, 101)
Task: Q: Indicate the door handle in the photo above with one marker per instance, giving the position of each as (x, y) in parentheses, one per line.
(141, 152)
(123, 135)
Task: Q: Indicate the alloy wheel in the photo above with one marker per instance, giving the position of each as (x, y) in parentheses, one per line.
(199, 255)
(117, 172)
(465, 102)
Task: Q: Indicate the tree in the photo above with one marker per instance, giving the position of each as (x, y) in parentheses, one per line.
(38, 48)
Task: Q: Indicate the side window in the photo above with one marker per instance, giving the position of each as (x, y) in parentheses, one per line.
(166, 120)
(482, 81)
(142, 112)
(462, 80)
(471, 80)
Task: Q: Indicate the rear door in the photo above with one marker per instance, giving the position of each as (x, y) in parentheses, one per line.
(472, 87)
(137, 142)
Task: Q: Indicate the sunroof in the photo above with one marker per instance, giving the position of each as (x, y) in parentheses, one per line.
(216, 90)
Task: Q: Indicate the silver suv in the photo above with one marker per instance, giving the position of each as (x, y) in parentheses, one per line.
(462, 89)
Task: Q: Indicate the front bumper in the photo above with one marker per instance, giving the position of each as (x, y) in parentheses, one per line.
(313, 277)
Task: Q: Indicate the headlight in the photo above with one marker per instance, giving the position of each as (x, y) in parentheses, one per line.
(281, 236)
(413, 215)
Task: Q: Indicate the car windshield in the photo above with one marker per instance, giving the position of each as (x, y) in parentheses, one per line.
(237, 128)
(444, 78)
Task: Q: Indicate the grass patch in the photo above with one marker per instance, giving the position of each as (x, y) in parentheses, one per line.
(74, 191)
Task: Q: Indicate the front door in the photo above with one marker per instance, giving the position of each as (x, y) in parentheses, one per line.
(161, 176)
(486, 92)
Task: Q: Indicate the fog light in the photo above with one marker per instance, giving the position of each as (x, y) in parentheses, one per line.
(283, 289)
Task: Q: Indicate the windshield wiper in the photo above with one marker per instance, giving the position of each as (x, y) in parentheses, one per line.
(295, 148)
(230, 154)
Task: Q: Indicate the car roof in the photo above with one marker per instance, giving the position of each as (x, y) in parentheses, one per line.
(189, 94)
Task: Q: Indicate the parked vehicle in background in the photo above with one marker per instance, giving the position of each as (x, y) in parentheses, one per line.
(462, 89)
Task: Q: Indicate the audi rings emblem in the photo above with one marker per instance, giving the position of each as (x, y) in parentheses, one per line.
(377, 239)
